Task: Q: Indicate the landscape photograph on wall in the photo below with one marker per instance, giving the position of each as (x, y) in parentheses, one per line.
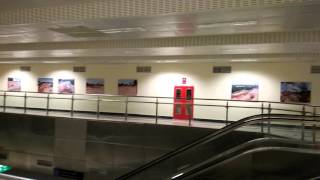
(295, 92)
(14, 84)
(95, 86)
(45, 85)
(66, 86)
(127, 87)
(244, 92)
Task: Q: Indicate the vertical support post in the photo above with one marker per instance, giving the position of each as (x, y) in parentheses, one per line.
(4, 101)
(302, 123)
(25, 103)
(157, 104)
(302, 132)
(72, 104)
(48, 104)
(262, 122)
(227, 113)
(314, 130)
(98, 107)
(269, 115)
(314, 127)
(126, 110)
(191, 113)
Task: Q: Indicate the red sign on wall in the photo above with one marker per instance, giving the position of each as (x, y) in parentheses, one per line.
(184, 80)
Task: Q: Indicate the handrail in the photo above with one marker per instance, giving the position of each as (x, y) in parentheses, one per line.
(220, 132)
(161, 97)
(244, 148)
(157, 101)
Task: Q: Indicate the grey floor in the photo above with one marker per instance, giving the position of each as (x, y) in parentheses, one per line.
(295, 132)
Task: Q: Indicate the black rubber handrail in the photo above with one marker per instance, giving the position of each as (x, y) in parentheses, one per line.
(243, 148)
(219, 133)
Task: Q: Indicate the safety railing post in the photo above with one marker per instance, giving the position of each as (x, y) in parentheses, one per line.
(25, 103)
(262, 111)
(314, 127)
(157, 104)
(227, 113)
(191, 114)
(98, 107)
(4, 101)
(48, 104)
(302, 123)
(72, 104)
(126, 108)
(269, 115)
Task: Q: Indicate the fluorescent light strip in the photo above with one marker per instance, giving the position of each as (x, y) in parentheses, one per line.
(243, 60)
(223, 24)
(120, 30)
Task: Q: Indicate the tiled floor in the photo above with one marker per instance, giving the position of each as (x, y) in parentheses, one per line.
(292, 132)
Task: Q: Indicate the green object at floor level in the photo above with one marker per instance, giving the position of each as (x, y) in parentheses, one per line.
(4, 168)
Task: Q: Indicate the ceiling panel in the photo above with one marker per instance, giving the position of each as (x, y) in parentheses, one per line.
(209, 23)
(12, 5)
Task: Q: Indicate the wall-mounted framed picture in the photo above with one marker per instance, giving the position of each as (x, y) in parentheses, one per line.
(45, 85)
(295, 92)
(245, 92)
(127, 87)
(66, 86)
(95, 86)
(14, 84)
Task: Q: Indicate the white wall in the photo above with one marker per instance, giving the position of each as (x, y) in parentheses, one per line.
(164, 77)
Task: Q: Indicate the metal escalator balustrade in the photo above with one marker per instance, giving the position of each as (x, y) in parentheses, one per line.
(209, 169)
(170, 166)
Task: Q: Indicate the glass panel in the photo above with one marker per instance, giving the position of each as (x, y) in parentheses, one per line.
(189, 94)
(178, 94)
(178, 109)
(188, 109)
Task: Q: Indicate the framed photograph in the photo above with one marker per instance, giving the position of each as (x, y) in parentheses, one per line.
(45, 85)
(14, 84)
(95, 86)
(244, 92)
(295, 92)
(66, 86)
(127, 87)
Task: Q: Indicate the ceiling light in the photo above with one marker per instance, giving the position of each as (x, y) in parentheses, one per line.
(56, 62)
(243, 60)
(223, 24)
(122, 30)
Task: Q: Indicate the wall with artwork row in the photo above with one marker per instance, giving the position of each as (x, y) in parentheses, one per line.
(263, 81)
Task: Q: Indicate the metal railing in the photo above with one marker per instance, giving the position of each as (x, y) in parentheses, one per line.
(178, 156)
(222, 110)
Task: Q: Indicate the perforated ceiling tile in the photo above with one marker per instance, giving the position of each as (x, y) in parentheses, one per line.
(124, 8)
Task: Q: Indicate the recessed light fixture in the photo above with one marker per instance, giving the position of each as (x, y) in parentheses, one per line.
(56, 62)
(223, 24)
(167, 61)
(243, 60)
(122, 30)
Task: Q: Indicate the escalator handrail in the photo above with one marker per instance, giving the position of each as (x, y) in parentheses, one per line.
(249, 146)
(219, 133)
